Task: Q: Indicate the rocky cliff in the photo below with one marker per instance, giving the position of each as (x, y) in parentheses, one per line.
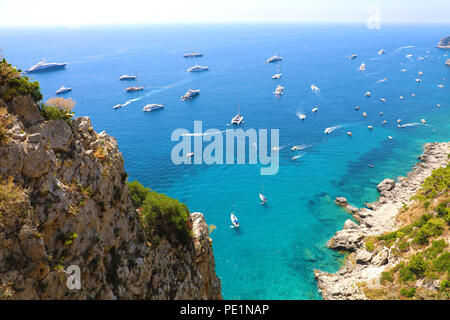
(64, 201)
(366, 262)
(444, 43)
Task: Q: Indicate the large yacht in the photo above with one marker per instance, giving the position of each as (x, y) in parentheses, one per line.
(63, 90)
(193, 55)
(274, 58)
(153, 107)
(127, 77)
(43, 66)
(198, 68)
(279, 91)
(190, 94)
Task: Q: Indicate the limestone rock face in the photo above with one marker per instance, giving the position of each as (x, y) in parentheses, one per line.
(386, 185)
(76, 212)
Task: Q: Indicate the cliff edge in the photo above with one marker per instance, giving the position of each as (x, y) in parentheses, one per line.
(65, 204)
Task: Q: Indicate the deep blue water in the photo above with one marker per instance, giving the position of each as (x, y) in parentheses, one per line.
(278, 247)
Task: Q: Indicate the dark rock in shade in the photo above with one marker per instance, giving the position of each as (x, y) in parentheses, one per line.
(444, 43)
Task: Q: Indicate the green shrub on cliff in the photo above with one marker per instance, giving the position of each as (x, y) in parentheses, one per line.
(15, 84)
(165, 216)
(58, 108)
(137, 193)
(438, 183)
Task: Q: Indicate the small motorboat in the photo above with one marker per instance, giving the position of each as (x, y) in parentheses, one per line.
(381, 113)
(362, 67)
(364, 114)
(277, 76)
(384, 122)
(356, 108)
(153, 107)
(383, 100)
(353, 56)
(399, 120)
(370, 127)
(263, 198)
(315, 109)
(401, 97)
(279, 91)
(63, 90)
(189, 155)
(349, 133)
(237, 119)
(371, 166)
(296, 157)
(438, 105)
(390, 138)
(418, 80)
(368, 94)
(420, 73)
(328, 130)
(301, 116)
(423, 121)
(117, 106)
(382, 51)
(441, 86)
(413, 95)
(295, 148)
(234, 221)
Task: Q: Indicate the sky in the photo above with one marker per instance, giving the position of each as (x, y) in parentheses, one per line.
(76, 13)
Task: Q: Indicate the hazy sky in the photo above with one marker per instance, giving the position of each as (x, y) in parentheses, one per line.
(80, 12)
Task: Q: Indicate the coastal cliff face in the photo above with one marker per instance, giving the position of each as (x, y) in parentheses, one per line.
(369, 254)
(64, 201)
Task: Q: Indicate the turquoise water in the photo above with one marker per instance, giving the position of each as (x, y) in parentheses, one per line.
(274, 253)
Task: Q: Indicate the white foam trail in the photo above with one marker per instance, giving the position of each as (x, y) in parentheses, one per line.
(411, 124)
(331, 129)
(401, 48)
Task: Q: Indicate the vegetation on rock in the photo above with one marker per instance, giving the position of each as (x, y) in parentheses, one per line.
(15, 84)
(422, 248)
(165, 216)
(58, 108)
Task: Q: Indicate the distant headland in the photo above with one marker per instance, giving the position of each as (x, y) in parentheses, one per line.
(444, 43)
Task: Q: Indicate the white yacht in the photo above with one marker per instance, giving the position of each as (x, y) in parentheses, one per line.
(382, 99)
(274, 58)
(362, 67)
(237, 119)
(277, 76)
(63, 90)
(190, 94)
(315, 109)
(127, 77)
(353, 56)
(197, 68)
(43, 66)
(153, 107)
(193, 55)
(279, 91)
(382, 51)
(136, 87)
(418, 80)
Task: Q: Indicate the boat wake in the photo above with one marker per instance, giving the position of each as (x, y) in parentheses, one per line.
(401, 48)
(331, 129)
(410, 125)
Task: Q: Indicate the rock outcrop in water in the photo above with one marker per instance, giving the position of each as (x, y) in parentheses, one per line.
(444, 43)
(64, 201)
(365, 265)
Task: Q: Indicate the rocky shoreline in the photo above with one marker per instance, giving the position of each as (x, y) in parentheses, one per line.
(377, 218)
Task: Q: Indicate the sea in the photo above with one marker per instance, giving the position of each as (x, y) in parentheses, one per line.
(278, 246)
